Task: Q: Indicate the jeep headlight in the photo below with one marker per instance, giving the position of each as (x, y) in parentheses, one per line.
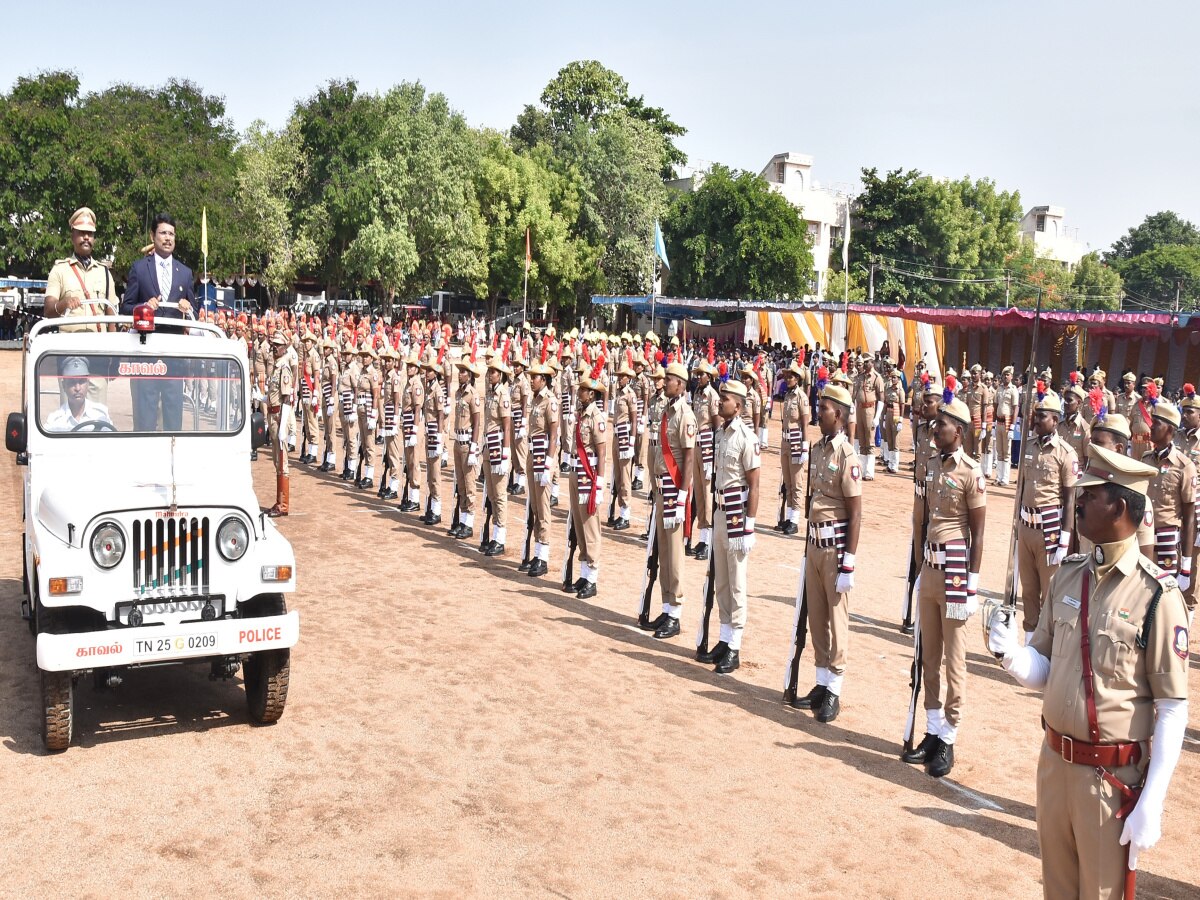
(232, 539)
(108, 545)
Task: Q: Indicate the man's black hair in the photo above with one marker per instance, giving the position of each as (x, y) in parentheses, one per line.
(161, 219)
(1135, 503)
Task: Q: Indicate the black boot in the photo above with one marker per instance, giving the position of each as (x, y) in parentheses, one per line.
(701, 552)
(588, 591)
(941, 761)
(716, 654)
(668, 629)
(537, 568)
(648, 624)
(812, 700)
(790, 528)
(728, 663)
(829, 708)
(923, 750)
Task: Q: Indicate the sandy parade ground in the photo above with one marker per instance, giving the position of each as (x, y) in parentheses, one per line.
(455, 728)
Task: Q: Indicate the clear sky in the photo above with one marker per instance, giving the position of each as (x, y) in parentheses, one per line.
(1093, 106)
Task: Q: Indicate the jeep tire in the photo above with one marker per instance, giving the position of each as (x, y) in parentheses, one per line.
(266, 674)
(58, 706)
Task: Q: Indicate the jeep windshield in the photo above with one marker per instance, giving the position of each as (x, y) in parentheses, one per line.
(101, 395)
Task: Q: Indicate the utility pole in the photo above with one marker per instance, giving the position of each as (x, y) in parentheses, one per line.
(1178, 288)
(871, 284)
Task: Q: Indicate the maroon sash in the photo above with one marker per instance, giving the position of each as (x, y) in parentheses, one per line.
(586, 465)
(673, 472)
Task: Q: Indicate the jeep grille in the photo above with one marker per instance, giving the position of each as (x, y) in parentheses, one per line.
(170, 556)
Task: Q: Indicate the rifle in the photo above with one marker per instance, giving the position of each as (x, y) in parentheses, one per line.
(907, 623)
(487, 523)
(910, 721)
(651, 573)
(457, 506)
(800, 623)
(710, 581)
(383, 477)
(528, 529)
(568, 566)
(783, 501)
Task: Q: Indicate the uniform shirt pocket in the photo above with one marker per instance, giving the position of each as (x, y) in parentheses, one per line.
(1115, 657)
(1066, 627)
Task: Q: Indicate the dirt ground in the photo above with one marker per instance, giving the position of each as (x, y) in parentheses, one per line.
(455, 728)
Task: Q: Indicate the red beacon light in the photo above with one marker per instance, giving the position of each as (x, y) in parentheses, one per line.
(143, 320)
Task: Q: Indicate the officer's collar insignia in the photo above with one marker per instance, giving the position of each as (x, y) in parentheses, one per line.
(1098, 555)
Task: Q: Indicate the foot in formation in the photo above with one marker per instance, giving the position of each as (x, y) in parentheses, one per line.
(587, 591)
(701, 551)
(716, 654)
(812, 700)
(538, 568)
(935, 754)
(668, 629)
(647, 624)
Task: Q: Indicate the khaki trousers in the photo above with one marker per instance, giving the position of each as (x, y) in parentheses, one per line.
(311, 433)
(828, 611)
(729, 579)
(367, 440)
(622, 473)
(464, 477)
(433, 475)
(792, 476)
(496, 486)
(701, 493)
(1078, 831)
(670, 555)
(1034, 572)
(329, 428)
(539, 505)
(391, 452)
(863, 432)
(943, 642)
(350, 440)
(587, 527)
(278, 434)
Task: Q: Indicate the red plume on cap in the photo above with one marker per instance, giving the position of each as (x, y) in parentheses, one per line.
(447, 330)
(545, 349)
(421, 349)
(598, 368)
(1152, 393)
(587, 355)
(723, 369)
(1189, 390)
(441, 357)
(951, 383)
(1074, 378)
(845, 360)
(1040, 387)
(822, 377)
(925, 379)
(646, 352)
(504, 350)
(1096, 399)
(659, 356)
(495, 338)
(525, 347)
(712, 351)
(801, 357)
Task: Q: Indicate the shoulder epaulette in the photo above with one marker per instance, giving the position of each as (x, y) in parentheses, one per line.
(1075, 557)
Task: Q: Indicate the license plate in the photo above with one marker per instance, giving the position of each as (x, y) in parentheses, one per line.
(169, 646)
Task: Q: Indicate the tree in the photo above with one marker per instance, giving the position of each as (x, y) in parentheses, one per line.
(734, 237)
(1155, 231)
(1162, 274)
(1096, 285)
(1033, 274)
(270, 174)
(946, 238)
(835, 288)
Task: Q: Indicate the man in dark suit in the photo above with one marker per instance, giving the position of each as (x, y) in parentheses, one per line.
(165, 285)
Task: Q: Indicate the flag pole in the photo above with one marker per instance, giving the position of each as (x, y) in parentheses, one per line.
(525, 297)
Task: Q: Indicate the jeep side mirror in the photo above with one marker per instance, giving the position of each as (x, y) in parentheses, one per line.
(258, 430)
(14, 433)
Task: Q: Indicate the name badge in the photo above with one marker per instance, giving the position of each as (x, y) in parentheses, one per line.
(1071, 602)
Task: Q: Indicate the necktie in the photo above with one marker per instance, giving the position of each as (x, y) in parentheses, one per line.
(164, 279)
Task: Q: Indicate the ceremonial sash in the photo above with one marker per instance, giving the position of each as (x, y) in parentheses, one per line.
(306, 384)
(1051, 528)
(585, 463)
(327, 392)
(408, 420)
(1166, 548)
(795, 445)
(673, 475)
(433, 438)
(706, 445)
(831, 533)
(622, 430)
(389, 419)
(518, 417)
(955, 574)
(495, 448)
(539, 446)
(1145, 413)
(347, 403)
(733, 501)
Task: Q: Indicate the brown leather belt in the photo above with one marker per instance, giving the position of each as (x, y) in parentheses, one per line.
(274, 410)
(1106, 756)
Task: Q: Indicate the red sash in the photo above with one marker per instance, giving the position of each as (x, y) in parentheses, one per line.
(1145, 413)
(673, 470)
(581, 454)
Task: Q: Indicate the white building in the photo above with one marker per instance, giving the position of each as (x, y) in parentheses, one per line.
(823, 209)
(1051, 238)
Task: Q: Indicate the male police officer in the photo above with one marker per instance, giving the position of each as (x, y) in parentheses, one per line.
(1110, 652)
(281, 393)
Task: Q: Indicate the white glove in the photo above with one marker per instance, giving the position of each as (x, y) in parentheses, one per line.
(521, 432)
(845, 579)
(1184, 578)
(1002, 637)
(750, 537)
(972, 593)
(258, 396)
(1143, 827)
(446, 408)
(708, 470)
(875, 423)
(411, 441)
(329, 411)
(437, 450)
(316, 402)
(285, 412)
(899, 425)
(803, 457)
(641, 428)
(544, 478)
(763, 437)
(372, 418)
(472, 459)
(599, 491)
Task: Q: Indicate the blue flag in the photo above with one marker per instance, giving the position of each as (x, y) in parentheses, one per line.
(660, 246)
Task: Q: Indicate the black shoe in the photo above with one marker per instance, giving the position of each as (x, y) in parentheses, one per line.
(941, 761)
(434, 520)
(829, 708)
(716, 654)
(347, 474)
(388, 495)
(253, 455)
(701, 552)
(728, 663)
(466, 533)
(366, 484)
(588, 592)
(790, 528)
(907, 629)
(668, 629)
(494, 549)
(409, 506)
(620, 524)
(554, 501)
(453, 530)
(524, 567)
(644, 536)
(922, 751)
(779, 526)
(511, 489)
(378, 440)
(325, 467)
(637, 484)
(813, 699)
(538, 568)
(564, 469)
(610, 521)
(687, 549)
(648, 624)
(445, 463)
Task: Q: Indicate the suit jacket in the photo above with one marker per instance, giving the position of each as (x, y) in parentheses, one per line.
(142, 284)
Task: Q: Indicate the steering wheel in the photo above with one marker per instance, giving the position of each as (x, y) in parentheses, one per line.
(95, 425)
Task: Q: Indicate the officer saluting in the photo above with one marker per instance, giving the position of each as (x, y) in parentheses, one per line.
(1110, 652)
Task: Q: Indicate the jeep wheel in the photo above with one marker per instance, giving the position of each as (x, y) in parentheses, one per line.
(58, 701)
(266, 674)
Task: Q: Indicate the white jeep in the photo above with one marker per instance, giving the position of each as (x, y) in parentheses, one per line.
(144, 542)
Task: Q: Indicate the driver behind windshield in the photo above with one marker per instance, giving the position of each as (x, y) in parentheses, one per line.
(76, 408)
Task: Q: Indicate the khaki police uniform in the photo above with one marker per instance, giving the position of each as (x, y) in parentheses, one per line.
(497, 418)
(330, 371)
(310, 399)
(543, 448)
(676, 432)
(792, 445)
(1170, 490)
(837, 476)
(522, 394)
(591, 436)
(347, 384)
(1008, 403)
(643, 389)
(433, 408)
(367, 402)
(1189, 443)
(1137, 411)
(1137, 634)
(468, 441)
(736, 453)
(893, 415)
(84, 280)
(281, 391)
(1051, 469)
(1076, 433)
(392, 398)
(705, 406)
(868, 391)
(976, 400)
(955, 485)
(412, 407)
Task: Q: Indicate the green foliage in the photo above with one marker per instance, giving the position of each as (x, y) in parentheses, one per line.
(1158, 274)
(736, 238)
(835, 288)
(1097, 286)
(956, 230)
(1155, 231)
